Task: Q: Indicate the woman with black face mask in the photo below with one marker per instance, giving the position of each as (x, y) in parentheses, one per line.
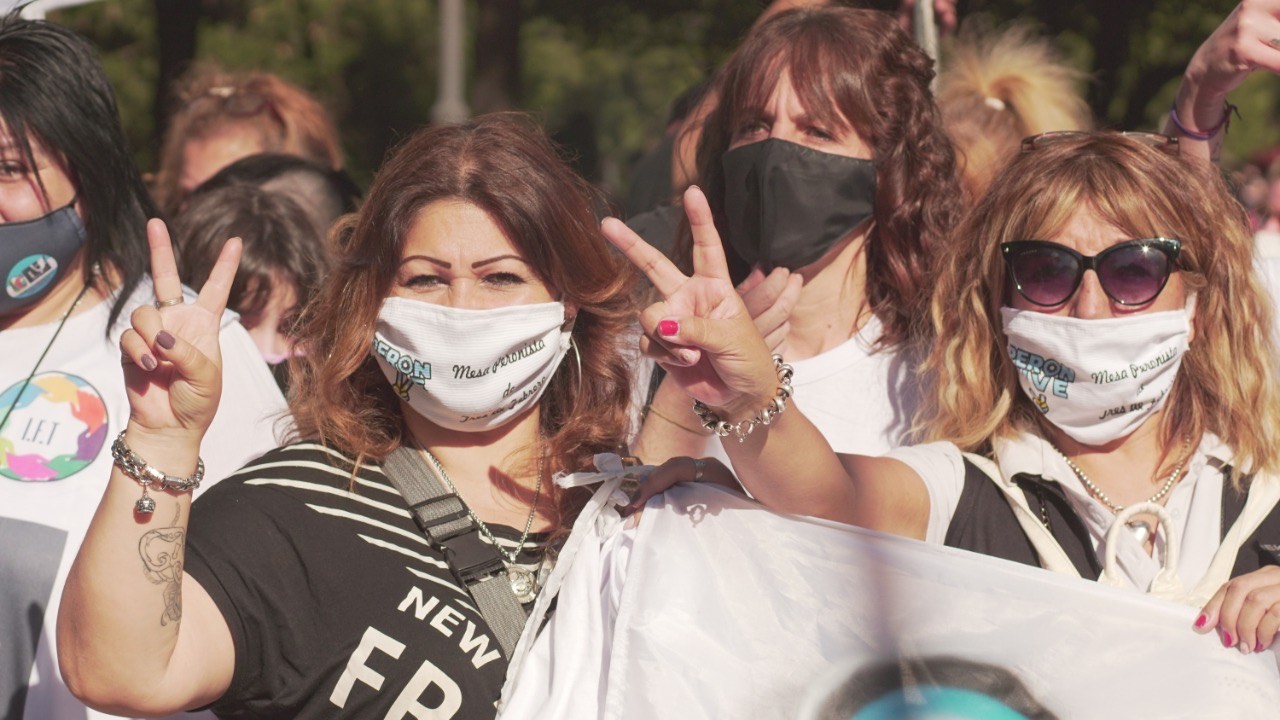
(831, 182)
(73, 212)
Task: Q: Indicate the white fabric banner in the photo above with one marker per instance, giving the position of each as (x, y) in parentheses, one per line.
(712, 607)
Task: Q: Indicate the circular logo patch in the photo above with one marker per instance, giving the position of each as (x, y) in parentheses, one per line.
(32, 274)
(55, 429)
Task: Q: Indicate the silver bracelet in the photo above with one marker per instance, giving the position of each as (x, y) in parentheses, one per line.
(742, 429)
(148, 476)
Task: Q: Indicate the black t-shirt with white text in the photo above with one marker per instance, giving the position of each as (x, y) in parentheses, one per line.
(338, 606)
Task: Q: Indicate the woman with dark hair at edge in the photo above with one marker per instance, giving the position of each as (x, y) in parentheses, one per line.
(1103, 380)
(73, 213)
(827, 171)
(473, 271)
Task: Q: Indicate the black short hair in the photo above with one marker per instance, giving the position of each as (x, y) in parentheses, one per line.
(53, 89)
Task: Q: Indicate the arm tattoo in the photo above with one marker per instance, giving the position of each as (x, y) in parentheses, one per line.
(162, 552)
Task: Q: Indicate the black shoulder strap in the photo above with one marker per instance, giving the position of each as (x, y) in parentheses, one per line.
(443, 518)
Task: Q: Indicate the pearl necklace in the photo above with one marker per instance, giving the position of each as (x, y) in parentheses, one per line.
(1141, 530)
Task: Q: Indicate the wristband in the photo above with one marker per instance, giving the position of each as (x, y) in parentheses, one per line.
(1211, 133)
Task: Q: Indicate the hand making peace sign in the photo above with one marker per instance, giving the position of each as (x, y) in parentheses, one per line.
(172, 360)
(701, 332)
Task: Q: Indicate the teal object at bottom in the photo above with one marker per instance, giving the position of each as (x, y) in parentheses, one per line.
(937, 703)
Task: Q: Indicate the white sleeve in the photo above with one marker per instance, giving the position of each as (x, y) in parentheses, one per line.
(250, 410)
(941, 467)
(1268, 269)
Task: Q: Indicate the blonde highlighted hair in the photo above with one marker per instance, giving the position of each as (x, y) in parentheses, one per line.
(1227, 383)
(996, 88)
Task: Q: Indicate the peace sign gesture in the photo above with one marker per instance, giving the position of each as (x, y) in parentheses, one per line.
(701, 332)
(172, 360)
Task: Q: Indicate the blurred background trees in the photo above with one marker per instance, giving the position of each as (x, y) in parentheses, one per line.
(599, 73)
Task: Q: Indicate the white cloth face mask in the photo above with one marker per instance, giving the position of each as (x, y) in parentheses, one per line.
(469, 370)
(1096, 380)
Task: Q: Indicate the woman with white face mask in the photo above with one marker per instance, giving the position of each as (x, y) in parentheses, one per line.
(473, 323)
(1103, 357)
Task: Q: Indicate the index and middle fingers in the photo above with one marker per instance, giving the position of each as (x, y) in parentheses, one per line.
(164, 270)
(708, 253)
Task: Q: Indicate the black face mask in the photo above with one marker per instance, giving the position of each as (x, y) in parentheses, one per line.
(34, 253)
(787, 205)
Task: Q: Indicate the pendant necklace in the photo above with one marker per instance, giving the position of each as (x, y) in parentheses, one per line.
(524, 585)
(1140, 529)
(35, 368)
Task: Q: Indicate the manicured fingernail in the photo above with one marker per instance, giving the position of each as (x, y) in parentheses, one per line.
(1200, 621)
(148, 363)
(165, 340)
(667, 328)
(1245, 648)
(1258, 647)
(1226, 640)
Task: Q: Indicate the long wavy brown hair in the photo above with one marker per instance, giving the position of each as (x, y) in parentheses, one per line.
(854, 69)
(505, 165)
(1227, 382)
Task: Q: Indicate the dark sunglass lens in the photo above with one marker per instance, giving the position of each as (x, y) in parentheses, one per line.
(1045, 276)
(1134, 275)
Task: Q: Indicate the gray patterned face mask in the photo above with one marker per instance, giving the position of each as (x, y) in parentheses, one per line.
(786, 205)
(35, 253)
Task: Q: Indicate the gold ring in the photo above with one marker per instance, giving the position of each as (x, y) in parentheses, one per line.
(170, 303)
(698, 465)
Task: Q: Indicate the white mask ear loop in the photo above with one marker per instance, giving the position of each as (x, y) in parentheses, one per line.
(1167, 584)
(577, 356)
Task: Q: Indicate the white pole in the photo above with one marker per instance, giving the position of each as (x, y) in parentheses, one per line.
(927, 30)
(451, 106)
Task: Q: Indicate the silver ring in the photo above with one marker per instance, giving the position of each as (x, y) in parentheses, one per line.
(698, 465)
(170, 303)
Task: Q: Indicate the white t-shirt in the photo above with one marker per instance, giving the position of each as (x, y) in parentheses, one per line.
(860, 399)
(1194, 503)
(55, 459)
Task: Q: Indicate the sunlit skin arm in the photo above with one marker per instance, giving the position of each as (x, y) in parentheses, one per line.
(703, 335)
(134, 636)
(1247, 40)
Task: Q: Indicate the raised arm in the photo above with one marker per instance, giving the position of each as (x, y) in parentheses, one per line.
(134, 637)
(1247, 40)
(703, 335)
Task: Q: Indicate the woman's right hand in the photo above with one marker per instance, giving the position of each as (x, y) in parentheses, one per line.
(171, 356)
(701, 332)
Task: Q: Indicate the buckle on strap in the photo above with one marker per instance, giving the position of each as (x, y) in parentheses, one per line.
(470, 558)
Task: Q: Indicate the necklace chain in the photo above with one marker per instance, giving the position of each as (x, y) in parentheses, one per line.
(34, 368)
(1102, 497)
(510, 557)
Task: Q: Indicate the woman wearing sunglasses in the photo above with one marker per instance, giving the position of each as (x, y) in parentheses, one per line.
(1102, 342)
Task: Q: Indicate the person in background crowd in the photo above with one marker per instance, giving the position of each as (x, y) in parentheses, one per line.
(474, 267)
(830, 178)
(324, 194)
(997, 87)
(282, 262)
(222, 117)
(73, 259)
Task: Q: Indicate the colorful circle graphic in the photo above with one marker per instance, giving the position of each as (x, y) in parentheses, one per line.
(54, 430)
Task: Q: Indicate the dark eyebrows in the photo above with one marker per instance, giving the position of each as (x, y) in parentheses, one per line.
(474, 266)
(481, 263)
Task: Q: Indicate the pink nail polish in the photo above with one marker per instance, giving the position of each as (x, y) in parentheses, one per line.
(667, 328)
(1226, 640)
(1200, 621)
(1258, 647)
(148, 363)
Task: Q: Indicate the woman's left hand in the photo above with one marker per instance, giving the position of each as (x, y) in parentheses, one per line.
(1245, 611)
